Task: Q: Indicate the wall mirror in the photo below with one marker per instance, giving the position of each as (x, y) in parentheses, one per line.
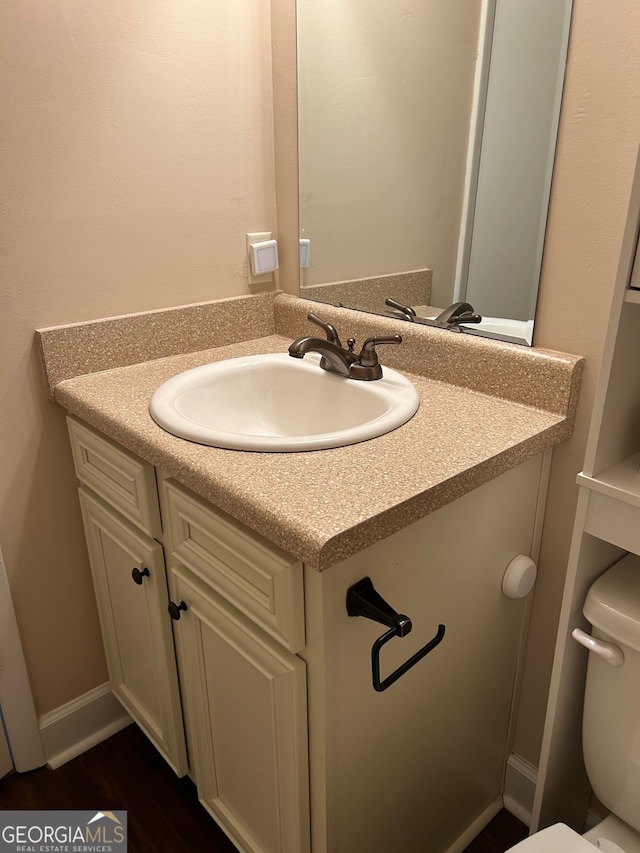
(427, 131)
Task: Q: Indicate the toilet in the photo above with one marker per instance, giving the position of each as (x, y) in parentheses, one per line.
(611, 718)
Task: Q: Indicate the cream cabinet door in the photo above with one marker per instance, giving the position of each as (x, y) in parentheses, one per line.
(136, 627)
(245, 696)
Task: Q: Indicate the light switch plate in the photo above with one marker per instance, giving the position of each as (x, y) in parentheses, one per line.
(264, 257)
(257, 237)
(305, 250)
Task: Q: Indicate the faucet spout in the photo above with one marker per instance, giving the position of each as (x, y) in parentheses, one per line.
(457, 314)
(338, 359)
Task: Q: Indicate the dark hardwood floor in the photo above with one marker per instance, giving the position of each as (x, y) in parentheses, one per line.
(503, 832)
(164, 816)
(124, 772)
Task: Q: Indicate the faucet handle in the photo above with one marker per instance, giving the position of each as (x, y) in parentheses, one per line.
(367, 366)
(368, 356)
(330, 330)
(406, 310)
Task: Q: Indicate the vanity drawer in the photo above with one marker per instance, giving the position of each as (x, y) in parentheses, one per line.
(255, 576)
(125, 482)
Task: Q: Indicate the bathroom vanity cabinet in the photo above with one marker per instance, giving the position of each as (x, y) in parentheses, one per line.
(264, 681)
(243, 689)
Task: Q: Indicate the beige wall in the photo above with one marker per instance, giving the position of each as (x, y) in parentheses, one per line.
(136, 152)
(595, 160)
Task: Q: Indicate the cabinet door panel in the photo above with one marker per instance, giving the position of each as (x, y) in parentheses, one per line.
(135, 626)
(246, 697)
(132, 626)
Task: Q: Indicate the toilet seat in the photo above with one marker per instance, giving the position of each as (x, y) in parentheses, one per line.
(554, 839)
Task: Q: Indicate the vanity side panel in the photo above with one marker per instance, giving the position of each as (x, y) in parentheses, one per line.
(416, 765)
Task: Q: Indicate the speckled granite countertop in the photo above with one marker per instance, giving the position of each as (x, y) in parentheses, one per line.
(323, 506)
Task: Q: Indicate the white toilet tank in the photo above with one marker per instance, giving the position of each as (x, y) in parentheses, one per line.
(611, 720)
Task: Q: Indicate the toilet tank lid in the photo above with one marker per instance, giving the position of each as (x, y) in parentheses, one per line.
(613, 602)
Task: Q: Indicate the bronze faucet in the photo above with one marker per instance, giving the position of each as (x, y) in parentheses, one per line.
(341, 360)
(452, 318)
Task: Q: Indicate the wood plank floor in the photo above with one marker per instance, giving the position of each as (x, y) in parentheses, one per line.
(503, 832)
(164, 816)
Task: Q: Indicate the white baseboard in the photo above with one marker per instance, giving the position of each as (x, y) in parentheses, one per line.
(520, 788)
(80, 724)
(476, 827)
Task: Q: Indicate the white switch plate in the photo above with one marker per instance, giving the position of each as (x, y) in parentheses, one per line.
(305, 250)
(257, 237)
(264, 257)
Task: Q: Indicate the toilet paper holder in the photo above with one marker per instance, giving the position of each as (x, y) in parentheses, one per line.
(364, 600)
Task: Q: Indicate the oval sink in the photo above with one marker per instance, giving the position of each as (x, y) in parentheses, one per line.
(275, 403)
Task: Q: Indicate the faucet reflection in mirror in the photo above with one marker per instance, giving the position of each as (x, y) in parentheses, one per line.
(426, 142)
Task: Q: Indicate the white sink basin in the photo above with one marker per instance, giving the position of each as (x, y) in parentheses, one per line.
(276, 403)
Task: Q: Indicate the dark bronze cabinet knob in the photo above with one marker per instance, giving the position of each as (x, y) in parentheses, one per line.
(174, 609)
(138, 576)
